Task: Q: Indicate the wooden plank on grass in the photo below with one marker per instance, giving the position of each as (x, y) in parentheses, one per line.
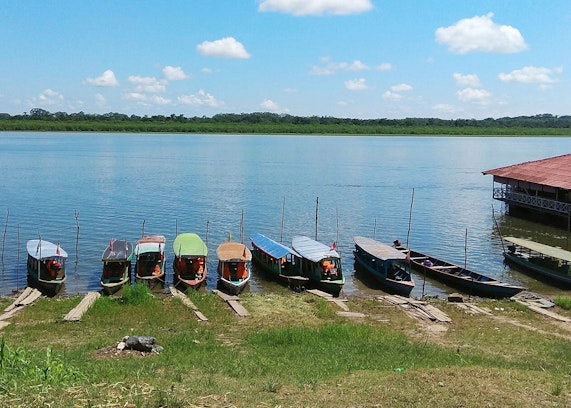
(238, 308)
(77, 312)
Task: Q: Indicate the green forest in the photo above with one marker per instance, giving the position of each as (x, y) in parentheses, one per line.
(271, 123)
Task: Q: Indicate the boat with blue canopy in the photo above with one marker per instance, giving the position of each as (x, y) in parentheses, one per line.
(277, 260)
(46, 266)
(385, 263)
(320, 263)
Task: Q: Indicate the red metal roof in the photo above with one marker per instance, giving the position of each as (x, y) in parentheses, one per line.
(553, 172)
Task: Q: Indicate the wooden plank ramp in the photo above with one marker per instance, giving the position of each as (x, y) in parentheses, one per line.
(417, 309)
(27, 297)
(341, 302)
(537, 303)
(188, 303)
(233, 302)
(77, 312)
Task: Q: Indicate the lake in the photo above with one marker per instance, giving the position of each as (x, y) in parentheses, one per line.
(83, 189)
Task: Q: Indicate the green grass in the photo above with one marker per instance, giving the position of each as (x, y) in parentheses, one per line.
(292, 351)
(563, 302)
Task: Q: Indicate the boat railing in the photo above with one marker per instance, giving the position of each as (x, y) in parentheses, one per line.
(559, 207)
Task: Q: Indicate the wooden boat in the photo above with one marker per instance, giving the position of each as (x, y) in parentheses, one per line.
(550, 263)
(116, 260)
(234, 260)
(150, 261)
(470, 282)
(277, 260)
(320, 263)
(385, 263)
(189, 265)
(46, 266)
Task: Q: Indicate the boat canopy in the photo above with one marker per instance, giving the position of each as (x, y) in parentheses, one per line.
(541, 248)
(118, 250)
(379, 250)
(189, 244)
(40, 249)
(312, 250)
(233, 251)
(271, 247)
(150, 244)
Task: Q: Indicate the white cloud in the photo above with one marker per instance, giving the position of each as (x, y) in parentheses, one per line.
(107, 79)
(48, 97)
(392, 96)
(469, 80)
(272, 106)
(100, 100)
(385, 66)
(479, 96)
(401, 88)
(200, 99)
(356, 84)
(174, 73)
(530, 75)
(316, 7)
(224, 48)
(480, 34)
(147, 84)
(135, 96)
(445, 108)
(331, 68)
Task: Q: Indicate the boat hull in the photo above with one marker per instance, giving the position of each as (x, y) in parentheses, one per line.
(283, 272)
(470, 282)
(47, 287)
(320, 264)
(547, 275)
(392, 286)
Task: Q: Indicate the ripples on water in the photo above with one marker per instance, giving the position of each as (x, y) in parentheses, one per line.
(182, 183)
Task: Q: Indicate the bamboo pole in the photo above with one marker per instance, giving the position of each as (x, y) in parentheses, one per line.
(4, 237)
(316, 209)
(282, 227)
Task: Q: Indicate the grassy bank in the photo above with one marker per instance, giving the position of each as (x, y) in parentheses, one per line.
(294, 350)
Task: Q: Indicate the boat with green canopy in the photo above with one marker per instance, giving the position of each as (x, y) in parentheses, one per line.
(189, 265)
(548, 262)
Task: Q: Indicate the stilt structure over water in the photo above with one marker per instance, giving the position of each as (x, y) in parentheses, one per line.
(536, 189)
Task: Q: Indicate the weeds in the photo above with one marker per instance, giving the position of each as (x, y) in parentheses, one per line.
(563, 302)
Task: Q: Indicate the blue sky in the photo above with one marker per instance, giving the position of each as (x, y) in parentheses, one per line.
(343, 58)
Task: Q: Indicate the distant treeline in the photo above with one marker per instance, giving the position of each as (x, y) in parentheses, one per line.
(271, 123)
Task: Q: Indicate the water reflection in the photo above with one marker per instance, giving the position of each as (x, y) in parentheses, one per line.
(182, 183)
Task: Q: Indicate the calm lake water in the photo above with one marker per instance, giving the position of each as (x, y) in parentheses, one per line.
(120, 185)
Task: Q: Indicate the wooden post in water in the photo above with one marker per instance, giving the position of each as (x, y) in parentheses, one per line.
(466, 250)
(76, 215)
(282, 228)
(4, 237)
(316, 209)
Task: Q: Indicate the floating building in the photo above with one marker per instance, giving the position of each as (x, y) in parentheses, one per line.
(539, 190)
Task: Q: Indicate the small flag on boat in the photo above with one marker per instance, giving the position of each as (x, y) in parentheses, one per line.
(244, 253)
(407, 260)
(334, 246)
(111, 244)
(57, 250)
